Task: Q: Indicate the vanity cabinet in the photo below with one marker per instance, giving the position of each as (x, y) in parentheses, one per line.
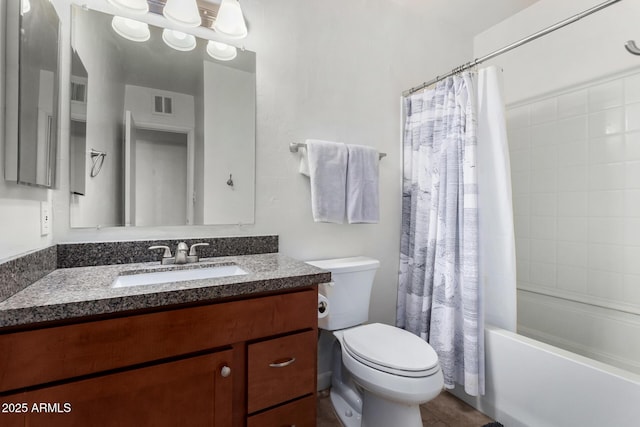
(245, 362)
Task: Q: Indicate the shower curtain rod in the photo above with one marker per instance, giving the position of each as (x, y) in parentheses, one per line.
(512, 46)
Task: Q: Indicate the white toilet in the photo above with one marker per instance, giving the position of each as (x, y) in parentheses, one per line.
(379, 374)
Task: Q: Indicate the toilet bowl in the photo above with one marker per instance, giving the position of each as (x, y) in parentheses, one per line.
(380, 374)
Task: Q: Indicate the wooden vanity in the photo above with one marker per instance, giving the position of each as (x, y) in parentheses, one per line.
(248, 361)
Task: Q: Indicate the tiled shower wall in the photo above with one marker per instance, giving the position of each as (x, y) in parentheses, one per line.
(575, 159)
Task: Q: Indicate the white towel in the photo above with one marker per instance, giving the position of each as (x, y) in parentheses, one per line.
(362, 185)
(328, 173)
(304, 161)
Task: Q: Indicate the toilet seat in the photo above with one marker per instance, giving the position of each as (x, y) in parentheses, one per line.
(391, 350)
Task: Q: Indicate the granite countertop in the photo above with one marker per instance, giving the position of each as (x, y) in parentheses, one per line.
(85, 291)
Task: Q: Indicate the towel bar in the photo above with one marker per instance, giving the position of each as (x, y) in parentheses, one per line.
(295, 146)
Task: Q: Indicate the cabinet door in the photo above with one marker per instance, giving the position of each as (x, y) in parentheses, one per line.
(281, 369)
(194, 392)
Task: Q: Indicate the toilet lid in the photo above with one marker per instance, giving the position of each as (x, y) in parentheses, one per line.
(391, 349)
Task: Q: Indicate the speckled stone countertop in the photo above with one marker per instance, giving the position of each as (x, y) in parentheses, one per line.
(85, 291)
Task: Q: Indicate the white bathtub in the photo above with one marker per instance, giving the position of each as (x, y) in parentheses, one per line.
(533, 384)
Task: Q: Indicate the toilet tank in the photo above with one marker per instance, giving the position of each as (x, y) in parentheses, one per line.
(349, 291)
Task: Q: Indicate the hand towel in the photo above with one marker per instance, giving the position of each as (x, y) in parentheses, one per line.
(328, 174)
(304, 161)
(362, 185)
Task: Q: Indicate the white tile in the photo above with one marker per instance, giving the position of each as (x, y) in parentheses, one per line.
(606, 95)
(573, 229)
(632, 203)
(572, 104)
(572, 203)
(518, 117)
(545, 157)
(606, 122)
(605, 284)
(632, 145)
(632, 89)
(607, 176)
(523, 250)
(522, 270)
(543, 204)
(520, 182)
(632, 174)
(543, 111)
(519, 139)
(572, 178)
(543, 274)
(608, 203)
(543, 181)
(572, 279)
(521, 226)
(545, 134)
(607, 149)
(543, 227)
(606, 257)
(632, 232)
(632, 117)
(543, 251)
(573, 153)
(572, 129)
(632, 289)
(607, 230)
(571, 254)
(521, 205)
(632, 260)
(520, 160)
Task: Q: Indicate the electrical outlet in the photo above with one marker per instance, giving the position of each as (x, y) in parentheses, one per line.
(45, 219)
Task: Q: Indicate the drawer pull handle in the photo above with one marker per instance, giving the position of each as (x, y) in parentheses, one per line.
(282, 364)
(225, 371)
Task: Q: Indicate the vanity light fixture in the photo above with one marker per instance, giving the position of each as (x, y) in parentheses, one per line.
(138, 7)
(221, 51)
(230, 20)
(178, 40)
(131, 29)
(182, 12)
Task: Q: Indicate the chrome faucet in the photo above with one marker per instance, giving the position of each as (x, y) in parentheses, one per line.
(181, 253)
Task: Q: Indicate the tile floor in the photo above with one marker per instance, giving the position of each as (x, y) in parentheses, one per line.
(443, 411)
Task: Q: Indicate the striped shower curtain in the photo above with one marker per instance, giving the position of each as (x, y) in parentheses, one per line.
(438, 295)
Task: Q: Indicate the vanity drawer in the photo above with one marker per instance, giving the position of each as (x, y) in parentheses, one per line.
(281, 369)
(49, 354)
(300, 413)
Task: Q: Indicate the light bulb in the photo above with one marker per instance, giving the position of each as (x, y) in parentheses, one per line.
(131, 29)
(178, 40)
(221, 51)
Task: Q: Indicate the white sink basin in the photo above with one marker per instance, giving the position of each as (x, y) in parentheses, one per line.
(169, 276)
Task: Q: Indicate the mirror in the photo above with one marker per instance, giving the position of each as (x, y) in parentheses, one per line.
(33, 29)
(158, 136)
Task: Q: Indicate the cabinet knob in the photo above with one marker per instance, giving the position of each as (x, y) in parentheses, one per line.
(225, 371)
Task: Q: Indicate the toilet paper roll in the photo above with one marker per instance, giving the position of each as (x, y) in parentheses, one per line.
(323, 306)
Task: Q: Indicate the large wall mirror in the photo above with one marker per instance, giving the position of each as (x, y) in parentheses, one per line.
(158, 136)
(33, 29)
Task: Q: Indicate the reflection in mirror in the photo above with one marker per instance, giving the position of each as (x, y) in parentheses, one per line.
(32, 84)
(156, 132)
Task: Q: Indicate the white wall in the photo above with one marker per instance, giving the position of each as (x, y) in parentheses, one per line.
(139, 100)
